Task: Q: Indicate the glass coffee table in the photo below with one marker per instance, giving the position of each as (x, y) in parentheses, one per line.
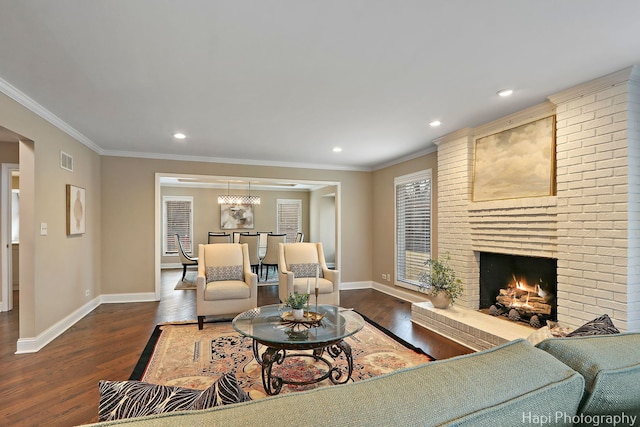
(322, 330)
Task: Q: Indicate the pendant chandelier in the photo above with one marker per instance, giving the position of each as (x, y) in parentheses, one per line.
(235, 199)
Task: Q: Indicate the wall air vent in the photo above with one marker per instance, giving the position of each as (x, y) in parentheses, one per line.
(66, 161)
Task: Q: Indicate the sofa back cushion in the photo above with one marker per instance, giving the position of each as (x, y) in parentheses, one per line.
(610, 365)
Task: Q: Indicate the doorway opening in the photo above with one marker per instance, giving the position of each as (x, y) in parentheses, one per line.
(318, 194)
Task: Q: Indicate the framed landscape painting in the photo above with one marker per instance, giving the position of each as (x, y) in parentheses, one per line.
(516, 163)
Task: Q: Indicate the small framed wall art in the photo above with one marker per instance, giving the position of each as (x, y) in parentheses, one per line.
(76, 210)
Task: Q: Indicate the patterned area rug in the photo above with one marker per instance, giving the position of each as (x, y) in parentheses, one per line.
(187, 357)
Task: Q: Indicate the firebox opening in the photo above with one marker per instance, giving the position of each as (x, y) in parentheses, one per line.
(522, 288)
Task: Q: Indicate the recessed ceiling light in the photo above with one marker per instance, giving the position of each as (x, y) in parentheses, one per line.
(505, 92)
(337, 149)
(179, 135)
(435, 123)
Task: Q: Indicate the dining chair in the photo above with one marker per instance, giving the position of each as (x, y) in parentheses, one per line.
(252, 241)
(187, 261)
(219, 238)
(262, 243)
(271, 256)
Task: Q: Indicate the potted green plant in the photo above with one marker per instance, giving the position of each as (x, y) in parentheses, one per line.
(439, 282)
(297, 302)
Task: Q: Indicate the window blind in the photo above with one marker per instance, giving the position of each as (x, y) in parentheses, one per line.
(178, 219)
(413, 226)
(289, 216)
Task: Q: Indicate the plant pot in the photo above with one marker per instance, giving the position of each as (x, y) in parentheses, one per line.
(440, 300)
(298, 313)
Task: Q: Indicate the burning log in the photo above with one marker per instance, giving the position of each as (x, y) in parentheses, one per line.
(519, 301)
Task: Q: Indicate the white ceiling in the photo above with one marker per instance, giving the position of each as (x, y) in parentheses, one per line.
(281, 82)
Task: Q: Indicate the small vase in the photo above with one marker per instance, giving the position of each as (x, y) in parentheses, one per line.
(440, 300)
(298, 313)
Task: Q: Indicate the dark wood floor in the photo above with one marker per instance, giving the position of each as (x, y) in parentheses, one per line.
(58, 386)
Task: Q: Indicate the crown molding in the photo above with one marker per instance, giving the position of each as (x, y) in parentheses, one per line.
(224, 160)
(27, 102)
(458, 134)
(596, 85)
(428, 150)
(528, 115)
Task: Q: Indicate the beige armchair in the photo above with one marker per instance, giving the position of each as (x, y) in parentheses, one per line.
(225, 282)
(297, 264)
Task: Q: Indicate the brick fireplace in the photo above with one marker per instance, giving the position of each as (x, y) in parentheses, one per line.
(591, 226)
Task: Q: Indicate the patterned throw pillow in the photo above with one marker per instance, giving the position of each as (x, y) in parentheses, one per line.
(227, 272)
(129, 399)
(599, 326)
(305, 270)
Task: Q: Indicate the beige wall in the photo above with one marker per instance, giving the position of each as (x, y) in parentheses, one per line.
(206, 215)
(128, 215)
(55, 270)
(383, 213)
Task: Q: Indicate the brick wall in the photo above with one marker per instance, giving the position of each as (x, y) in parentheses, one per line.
(590, 226)
(454, 183)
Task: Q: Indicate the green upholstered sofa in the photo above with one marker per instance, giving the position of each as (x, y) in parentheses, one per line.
(559, 382)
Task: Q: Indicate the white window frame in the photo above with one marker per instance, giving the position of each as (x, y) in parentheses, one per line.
(399, 260)
(291, 238)
(165, 232)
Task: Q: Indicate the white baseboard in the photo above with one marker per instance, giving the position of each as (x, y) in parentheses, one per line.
(345, 286)
(170, 265)
(399, 292)
(119, 298)
(33, 345)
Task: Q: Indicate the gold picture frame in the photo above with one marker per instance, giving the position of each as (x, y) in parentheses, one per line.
(516, 163)
(76, 210)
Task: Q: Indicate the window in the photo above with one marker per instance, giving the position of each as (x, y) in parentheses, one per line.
(289, 214)
(177, 217)
(413, 226)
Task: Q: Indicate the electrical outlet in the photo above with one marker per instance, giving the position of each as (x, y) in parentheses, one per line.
(384, 276)
(87, 293)
(388, 277)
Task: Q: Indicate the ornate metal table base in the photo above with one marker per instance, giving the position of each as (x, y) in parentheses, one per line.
(273, 384)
